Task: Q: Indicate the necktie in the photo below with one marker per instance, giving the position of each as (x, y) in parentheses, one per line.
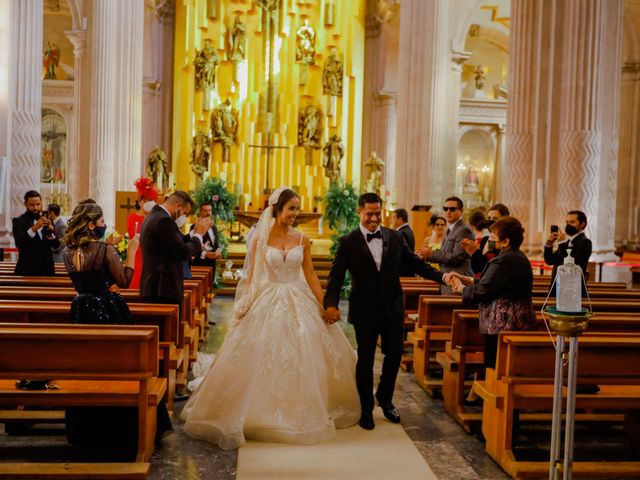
(371, 236)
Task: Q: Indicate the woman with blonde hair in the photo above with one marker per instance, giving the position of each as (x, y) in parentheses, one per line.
(95, 269)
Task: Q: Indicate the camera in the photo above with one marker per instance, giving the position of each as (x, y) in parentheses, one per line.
(555, 229)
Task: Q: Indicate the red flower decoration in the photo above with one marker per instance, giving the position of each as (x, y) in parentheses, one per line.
(215, 198)
(146, 189)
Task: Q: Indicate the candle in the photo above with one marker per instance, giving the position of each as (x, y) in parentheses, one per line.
(135, 229)
(540, 203)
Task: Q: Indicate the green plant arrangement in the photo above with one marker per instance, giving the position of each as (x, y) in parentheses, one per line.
(214, 190)
(341, 201)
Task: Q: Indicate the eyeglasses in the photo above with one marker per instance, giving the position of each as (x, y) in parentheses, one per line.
(449, 209)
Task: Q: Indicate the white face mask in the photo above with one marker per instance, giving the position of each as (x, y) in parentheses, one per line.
(181, 220)
(148, 206)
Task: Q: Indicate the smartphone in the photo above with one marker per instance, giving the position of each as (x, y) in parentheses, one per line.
(555, 229)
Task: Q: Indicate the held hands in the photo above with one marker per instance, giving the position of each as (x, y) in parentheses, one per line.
(456, 281)
(469, 246)
(331, 315)
(212, 255)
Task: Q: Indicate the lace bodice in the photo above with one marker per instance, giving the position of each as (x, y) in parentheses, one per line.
(284, 265)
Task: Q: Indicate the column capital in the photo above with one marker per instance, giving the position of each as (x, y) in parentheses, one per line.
(79, 40)
(459, 57)
(162, 9)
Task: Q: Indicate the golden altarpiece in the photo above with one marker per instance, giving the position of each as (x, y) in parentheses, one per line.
(261, 86)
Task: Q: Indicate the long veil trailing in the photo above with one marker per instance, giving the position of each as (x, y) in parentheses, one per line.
(254, 269)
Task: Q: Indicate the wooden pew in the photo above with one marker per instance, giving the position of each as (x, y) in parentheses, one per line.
(84, 363)
(523, 380)
(434, 330)
(463, 355)
(165, 317)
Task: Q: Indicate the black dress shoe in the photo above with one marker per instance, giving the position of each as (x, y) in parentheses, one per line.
(366, 421)
(390, 412)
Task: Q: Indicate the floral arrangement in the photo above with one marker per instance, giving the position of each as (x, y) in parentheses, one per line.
(122, 245)
(214, 190)
(341, 201)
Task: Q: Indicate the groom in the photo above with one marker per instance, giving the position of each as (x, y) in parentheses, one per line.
(374, 256)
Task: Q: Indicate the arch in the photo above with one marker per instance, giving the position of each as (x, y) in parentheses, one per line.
(476, 164)
(76, 13)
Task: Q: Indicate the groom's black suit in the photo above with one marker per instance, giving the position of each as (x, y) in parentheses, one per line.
(375, 305)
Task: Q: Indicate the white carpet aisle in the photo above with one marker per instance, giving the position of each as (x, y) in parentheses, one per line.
(383, 453)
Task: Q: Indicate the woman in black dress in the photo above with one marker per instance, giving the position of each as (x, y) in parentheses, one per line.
(95, 269)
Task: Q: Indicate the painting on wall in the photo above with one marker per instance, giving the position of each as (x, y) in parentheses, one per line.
(54, 147)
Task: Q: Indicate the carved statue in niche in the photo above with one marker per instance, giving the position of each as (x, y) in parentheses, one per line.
(200, 153)
(224, 127)
(158, 168)
(333, 152)
(332, 74)
(50, 60)
(54, 139)
(306, 44)
(479, 77)
(375, 164)
(205, 63)
(237, 40)
(309, 131)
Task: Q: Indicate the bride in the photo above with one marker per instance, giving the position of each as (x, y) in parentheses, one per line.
(282, 374)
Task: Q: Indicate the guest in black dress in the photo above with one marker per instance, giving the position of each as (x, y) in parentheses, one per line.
(97, 273)
(95, 270)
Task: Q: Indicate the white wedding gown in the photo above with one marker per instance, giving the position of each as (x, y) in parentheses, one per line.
(282, 374)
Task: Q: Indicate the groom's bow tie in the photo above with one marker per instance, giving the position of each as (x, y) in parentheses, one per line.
(371, 236)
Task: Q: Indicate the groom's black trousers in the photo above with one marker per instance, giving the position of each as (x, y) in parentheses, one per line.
(392, 341)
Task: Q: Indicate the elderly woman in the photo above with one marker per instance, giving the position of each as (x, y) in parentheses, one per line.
(503, 290)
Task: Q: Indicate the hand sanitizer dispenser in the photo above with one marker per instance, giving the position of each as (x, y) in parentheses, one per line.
(569, 286)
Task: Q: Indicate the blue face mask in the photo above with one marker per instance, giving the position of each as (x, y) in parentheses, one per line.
(100, 231)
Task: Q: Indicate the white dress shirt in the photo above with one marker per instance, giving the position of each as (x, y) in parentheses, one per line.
(375, 246)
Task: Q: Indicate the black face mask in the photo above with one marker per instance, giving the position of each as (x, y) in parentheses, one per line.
(570, 230)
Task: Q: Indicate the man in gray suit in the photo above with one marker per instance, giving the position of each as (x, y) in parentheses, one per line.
(59, 227)
(452, 257)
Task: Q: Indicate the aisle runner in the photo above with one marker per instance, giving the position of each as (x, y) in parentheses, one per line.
(381, 454)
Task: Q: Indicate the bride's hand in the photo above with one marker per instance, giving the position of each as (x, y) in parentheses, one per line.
(242, 308)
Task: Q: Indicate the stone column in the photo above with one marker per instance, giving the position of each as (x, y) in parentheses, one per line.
(423, 113)
(77, 171)
(628, 193)
(115, 129)
(516, 181)
(21, 107)
(587, 168)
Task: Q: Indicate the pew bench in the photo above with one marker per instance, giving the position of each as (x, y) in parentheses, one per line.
(433, 330)
(523, 380)
(114, 366)
(463, 357)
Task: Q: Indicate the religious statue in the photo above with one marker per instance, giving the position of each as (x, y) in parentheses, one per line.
(479, 77)
(54, 139)
(332, 75)
(200, 153)
(309, 131)
(375, 164)
(158, 168)
(333, 152)
(224, 127)
(205, 63)
(50, 60)
(306, 44)
(236, 43)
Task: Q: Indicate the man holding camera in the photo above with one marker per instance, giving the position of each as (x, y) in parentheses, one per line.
(34, 237)
(572, 239)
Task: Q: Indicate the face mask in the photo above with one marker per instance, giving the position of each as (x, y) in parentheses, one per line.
(100, 231)
(570, 230)
(181, 220)
(148, 206)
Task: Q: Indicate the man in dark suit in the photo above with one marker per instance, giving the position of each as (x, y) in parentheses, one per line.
(401, 224)
(34, 237)
(573, 238)
(452, 256)
(210, 245)
(59, 228)
(374, 255)
(164, 250)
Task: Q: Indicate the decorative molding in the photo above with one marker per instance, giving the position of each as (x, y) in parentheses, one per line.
(57, 91)
(485, 111)
(79, 40)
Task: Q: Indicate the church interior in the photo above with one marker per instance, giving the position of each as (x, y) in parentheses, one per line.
(532, 104)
